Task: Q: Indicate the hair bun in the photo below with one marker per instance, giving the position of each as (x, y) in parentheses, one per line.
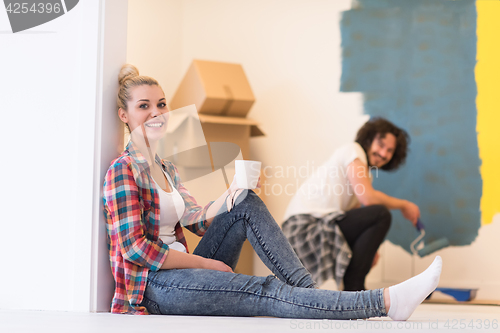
(128, 71)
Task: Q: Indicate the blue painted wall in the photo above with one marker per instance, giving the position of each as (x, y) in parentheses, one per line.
(414, 61)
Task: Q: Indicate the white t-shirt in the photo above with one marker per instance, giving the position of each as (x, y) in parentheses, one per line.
(172, 208)
(328, 190)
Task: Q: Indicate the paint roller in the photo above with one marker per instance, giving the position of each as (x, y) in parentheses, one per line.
(430, 248)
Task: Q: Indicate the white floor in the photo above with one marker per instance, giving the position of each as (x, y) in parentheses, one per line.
(427, 318)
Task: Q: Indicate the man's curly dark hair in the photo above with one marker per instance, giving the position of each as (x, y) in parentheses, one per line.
(380, 126)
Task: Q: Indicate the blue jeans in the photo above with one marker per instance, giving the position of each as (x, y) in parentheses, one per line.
(289, 293)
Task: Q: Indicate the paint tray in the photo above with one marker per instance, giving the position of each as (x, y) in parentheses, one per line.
(459, 294)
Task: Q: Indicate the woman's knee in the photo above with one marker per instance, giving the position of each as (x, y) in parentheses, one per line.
(252, 206)
(384, 216)
(248, 198)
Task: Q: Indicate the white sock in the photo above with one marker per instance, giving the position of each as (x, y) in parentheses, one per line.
(406, 296)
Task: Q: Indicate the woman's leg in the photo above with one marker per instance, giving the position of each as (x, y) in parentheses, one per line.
(208, 292)
(364, 229)
(250, 219)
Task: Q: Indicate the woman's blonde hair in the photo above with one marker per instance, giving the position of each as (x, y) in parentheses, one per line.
(128, 78)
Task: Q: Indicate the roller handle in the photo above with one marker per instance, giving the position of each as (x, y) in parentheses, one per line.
(420, 225)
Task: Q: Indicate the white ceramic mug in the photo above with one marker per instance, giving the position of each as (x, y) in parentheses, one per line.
(247, 173)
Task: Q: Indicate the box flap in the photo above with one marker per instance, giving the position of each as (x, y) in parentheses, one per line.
(177, 117)
(256, 131)
(254, 125)
(226, 120)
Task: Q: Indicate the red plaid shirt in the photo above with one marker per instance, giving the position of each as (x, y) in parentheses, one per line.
(132, 211)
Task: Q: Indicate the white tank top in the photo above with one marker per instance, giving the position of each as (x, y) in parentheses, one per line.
(172, 208)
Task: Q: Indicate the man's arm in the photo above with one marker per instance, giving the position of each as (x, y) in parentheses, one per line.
(357, 173)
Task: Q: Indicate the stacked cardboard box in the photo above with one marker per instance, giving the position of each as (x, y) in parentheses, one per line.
(223, 97)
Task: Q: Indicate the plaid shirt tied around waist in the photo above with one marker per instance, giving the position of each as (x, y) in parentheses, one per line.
(132, 212)
(320, 245)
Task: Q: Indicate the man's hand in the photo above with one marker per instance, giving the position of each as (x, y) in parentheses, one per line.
(216, 265)
(411, 212)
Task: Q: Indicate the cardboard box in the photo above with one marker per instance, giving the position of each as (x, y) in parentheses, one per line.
(229, 129)
(216, 88)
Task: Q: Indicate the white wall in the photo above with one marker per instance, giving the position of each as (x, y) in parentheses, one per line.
(109, 141)
(155, 43)
(49, 98)
(291, 52)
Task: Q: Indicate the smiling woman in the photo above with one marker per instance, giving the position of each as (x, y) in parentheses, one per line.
(153, 269)
(137, 96)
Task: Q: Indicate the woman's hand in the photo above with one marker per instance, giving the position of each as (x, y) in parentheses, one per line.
(411, 212)
(234, 185)
(216, 265)
(228, 198)
(234, 191)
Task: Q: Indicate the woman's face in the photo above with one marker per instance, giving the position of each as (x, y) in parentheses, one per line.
(147, 107)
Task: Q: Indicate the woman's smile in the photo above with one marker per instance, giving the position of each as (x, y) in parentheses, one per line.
(154, 124)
